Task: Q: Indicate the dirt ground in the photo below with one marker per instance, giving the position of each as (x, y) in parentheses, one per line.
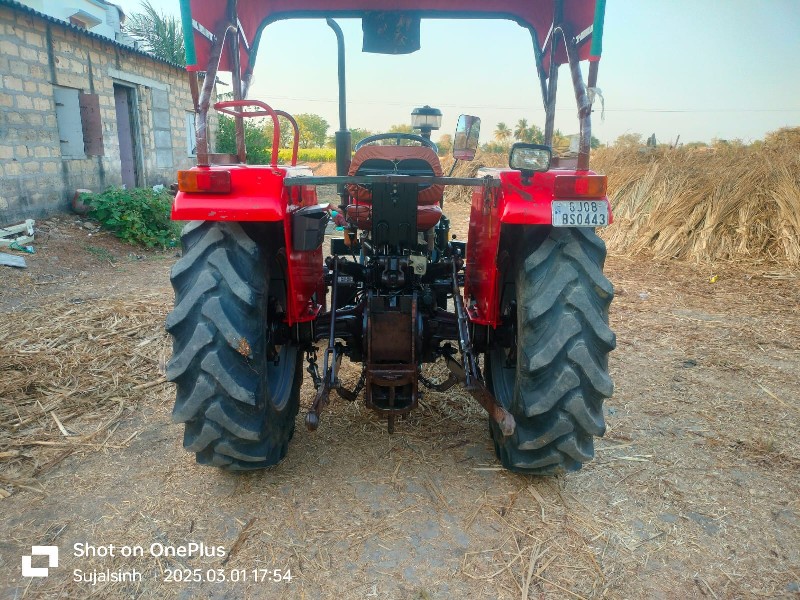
(694, 491)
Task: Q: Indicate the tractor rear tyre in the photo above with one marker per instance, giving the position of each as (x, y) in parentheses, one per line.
(237, 392)
(554, 377)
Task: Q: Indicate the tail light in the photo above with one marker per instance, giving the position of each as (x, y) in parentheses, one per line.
(580, 186)
(217, 182)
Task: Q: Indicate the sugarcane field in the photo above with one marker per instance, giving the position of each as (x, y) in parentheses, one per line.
(248, 352)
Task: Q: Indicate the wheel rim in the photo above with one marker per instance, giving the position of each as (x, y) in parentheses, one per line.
(503, 376)
(280, 377)
(503, 361)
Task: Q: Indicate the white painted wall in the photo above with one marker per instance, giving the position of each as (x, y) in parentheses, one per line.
(106, 13)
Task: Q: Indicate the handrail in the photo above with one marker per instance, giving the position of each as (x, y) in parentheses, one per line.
(296, 143)
(266, 111)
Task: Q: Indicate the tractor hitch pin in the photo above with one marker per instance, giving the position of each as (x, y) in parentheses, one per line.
(330, 362)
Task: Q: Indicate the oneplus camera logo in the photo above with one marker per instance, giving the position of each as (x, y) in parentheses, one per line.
(51, 552)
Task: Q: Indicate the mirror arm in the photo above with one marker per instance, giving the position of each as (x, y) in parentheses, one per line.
(453, 168)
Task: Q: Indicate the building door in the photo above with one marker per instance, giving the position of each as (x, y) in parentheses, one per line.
(124, 102)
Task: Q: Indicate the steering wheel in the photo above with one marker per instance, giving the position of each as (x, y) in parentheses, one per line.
(398, 136)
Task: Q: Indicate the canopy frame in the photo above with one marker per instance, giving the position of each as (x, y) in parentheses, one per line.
(559, 37)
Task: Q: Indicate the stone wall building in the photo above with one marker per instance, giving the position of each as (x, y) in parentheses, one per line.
(80, 110)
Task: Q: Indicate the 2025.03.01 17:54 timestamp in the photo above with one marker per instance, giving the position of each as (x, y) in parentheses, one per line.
(221, 575)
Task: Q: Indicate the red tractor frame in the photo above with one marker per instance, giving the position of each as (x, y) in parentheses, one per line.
(524, 302)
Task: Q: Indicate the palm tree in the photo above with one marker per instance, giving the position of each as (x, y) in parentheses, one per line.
(535, 135)
(521, 130)
(158, 33)
(502, 133)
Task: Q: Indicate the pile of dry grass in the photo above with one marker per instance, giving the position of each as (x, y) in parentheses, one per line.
(728, 202)
(463, 194)
(68, 370)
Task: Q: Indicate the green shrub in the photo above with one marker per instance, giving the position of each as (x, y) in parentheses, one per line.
(257, 139)
(138, 216)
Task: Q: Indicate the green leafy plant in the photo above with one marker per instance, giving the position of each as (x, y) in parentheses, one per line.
(138, 216)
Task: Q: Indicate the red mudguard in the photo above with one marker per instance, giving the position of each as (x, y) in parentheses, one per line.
(257, 194)
(513, 203)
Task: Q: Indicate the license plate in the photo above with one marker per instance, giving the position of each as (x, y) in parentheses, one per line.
(580, 213)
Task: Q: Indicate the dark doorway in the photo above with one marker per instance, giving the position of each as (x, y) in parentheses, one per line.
(124, 103)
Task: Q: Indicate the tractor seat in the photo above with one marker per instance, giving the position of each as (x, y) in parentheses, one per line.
(401, 160)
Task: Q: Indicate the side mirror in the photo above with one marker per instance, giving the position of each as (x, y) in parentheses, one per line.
(465, 141)
(529, 158)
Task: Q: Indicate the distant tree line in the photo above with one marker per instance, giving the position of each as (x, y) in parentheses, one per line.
(504, 136)
(637, 140)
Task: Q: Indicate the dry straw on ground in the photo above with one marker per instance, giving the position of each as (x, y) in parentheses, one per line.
(68, 372)
(727, 202)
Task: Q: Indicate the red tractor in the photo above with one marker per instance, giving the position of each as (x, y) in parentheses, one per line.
(519, 313)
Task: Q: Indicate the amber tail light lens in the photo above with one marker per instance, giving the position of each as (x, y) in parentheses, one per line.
(217, 182)
(580, 186)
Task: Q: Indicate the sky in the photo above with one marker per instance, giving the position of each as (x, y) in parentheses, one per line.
(698, 69)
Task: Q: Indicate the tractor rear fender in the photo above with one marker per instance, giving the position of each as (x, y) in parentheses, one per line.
(245, 193)
(495, 223)
(238, 193)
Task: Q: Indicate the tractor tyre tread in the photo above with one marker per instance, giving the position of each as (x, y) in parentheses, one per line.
(563, 339)
(219, 363)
